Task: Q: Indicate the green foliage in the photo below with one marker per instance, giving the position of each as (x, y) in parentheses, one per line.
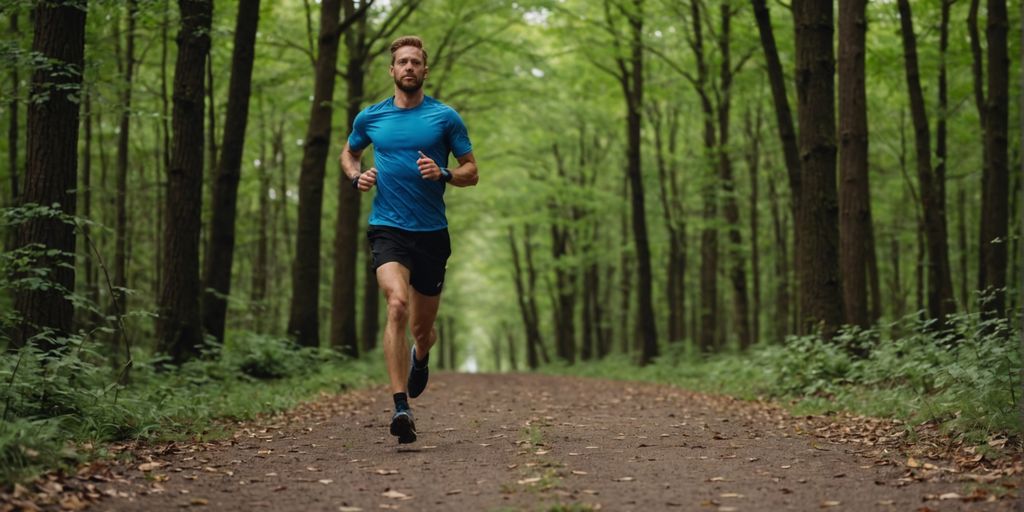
(54, 403)
(968, 379)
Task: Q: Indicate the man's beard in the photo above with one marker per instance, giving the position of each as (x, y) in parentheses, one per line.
(409, 88)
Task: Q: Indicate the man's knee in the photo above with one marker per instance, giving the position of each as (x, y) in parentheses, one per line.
(423, 334)
(398, 306)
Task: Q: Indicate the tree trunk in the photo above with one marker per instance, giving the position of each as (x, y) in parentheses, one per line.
(709, 231)
(51, 173)
(631, 80)
(782, 295)
(221, 250)
(940, 287)
(121, 197)
(737, 270)
(820, 289)
(753, 166)
(346, 228)
(13, 140)
(524, 297)
(179, 332)
(854, 192)
(303, 320)
(166, 148)
(91, 290)
(261, 263)
(995, 212)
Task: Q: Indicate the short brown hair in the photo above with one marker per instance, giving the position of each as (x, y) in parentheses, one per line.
(408, 41)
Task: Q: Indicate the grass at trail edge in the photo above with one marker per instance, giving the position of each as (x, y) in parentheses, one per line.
(968, 380)
(61, 410)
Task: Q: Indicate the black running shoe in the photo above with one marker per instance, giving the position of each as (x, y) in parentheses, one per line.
(417, 376)
(403, 427)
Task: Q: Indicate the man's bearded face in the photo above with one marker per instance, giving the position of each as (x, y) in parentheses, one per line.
(409, 70)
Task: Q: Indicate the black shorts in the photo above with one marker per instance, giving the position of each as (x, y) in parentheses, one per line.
(424, 253)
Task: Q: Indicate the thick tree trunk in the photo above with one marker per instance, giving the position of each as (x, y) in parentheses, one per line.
(51, 170)
(524, 297)
(165, 169)
(854, 192)
(221, 250)
(940, 287)
(179, 332)
(303, 320)
(995, 213)
(820, 289)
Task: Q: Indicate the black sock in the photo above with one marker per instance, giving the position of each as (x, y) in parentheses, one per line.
(421, 363)
(401, 402)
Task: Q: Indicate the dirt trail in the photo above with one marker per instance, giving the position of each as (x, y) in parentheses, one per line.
(528, 442)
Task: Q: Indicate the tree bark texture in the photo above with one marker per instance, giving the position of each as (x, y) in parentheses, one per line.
(220, 252)
(939, 283)
(179, 332)
(820, 289)
(51, 173)
(995, 212)
(854, 192)
(753, 131)
(303, 319)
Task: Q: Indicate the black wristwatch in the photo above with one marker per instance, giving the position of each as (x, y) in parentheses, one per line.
(355, 181)
(446, 175)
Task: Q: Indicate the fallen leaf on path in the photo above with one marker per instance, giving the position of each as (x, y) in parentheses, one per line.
(453, 492)
(326, 481)
(575, 472)
(590, 492)
(395, 495)
(717, 479)
(542, 452)
(730, 495)
(528, 481)
(787, 466)
(150, 466)
(950, 496)
(199, 502)
(386, 471)
(886, 502)
(625, 479)
(349, 509)
(727, 509)
(913, 463)
(827, 504)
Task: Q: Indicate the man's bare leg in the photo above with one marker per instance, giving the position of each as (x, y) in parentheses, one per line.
(393, 279)
(422, 313)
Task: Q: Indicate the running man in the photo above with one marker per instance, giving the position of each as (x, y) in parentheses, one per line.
(412, 135)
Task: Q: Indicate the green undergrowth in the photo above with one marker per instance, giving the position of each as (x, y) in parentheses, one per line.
(59, 410)
(968, 380)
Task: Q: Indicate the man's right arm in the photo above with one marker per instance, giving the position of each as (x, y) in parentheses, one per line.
(351, 165)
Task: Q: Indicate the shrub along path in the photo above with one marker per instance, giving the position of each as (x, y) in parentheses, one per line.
(530, 442)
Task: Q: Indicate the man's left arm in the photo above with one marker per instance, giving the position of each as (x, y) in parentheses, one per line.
(465, 175)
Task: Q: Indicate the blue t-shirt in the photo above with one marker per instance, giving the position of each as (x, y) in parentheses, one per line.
(404, 199)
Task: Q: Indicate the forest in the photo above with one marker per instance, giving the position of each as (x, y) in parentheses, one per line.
(786, 198)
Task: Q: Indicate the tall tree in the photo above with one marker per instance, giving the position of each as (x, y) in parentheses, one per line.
(363, 43)
(220, 251)
(995, 213)
(13, 140)
(737, 262)
(51, 171)
(303, 319)
(940, 286)
(179, 332)
(854, 192)
(820, 289)
(126, 65)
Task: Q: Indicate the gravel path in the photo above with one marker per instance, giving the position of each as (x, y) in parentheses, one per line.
(530, 442)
